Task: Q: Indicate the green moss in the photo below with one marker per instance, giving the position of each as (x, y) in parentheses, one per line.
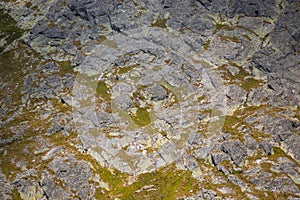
(101, 39)
(230, 39)
(167, 183)
(141, 117)
(103, 90)
(206, 45)
(230, 124)
(250, 83)
(161, 23)
(223, 26)
(77, 43)
(247, 37)
(65, 67)
(8, 29)
(123, 70)
(15, 194)
(242, 79)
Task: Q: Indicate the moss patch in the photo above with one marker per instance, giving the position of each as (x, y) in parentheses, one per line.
(206, 45)
(8, 29)
(123, 70)
(103, 90)
(167, 183)
(65, 67)
(141, 117)
(230, 39)
(242, 79)
(161, 23)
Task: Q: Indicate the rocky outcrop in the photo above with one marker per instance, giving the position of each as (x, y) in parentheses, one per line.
(149, 99)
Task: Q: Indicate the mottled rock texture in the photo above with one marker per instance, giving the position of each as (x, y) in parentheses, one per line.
(160, 99)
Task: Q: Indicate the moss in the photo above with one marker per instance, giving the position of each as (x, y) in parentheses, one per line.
(103, 90)
(241, 79)
(161, 23)
(220, 26)
(167, 183)
(15, 194)
(111, 44)
(206, 45)
(247, 37)
(230, 39)
(250, 83)
(141, 117)
(123, 70)
(28, 4)
(77, 43)
(8, 29)
(65, 67)
(101, 39)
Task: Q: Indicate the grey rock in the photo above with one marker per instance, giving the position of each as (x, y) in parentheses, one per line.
(287, 166)
(266, 147)
(217, 158)
(250, 143)
(74, 174)
(280, 58)
(49, 68)
(50, 154)
(236, 151)
(236, 95)
(252, 8)
(283, 184)
(238, 182)
(5, 187)
(29, 189)
(50, 188)
(291, 146)
(156, 93)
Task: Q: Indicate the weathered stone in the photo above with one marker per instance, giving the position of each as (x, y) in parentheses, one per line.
(217, 158)
(74, 174)
(266, 146)
(236, 151)
(291, 146)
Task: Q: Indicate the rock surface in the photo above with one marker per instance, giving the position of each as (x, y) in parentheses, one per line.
(149, 99)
